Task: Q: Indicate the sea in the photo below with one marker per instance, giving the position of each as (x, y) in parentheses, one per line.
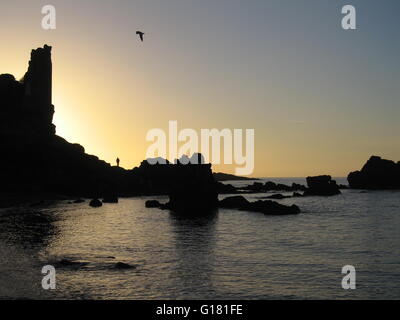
(228, 255)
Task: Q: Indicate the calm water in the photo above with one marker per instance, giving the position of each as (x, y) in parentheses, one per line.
(231, 255)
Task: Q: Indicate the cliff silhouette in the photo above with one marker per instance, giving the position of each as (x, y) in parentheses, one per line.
(34, 160)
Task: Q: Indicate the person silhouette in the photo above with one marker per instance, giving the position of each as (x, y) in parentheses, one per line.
(117, 162)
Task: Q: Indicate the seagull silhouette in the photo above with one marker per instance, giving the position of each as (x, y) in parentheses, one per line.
(141, 34)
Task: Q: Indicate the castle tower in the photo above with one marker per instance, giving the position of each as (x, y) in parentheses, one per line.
(38, 91)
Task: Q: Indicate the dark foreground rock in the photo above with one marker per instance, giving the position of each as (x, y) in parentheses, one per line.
(194, 190)
(277, 196)
(123, 266)
(234, 202)
(321, 186)
(95, 203)
(378, 174)
(267, 207)
(152, 204)
(297, 195)
(226, 188)
(66, 263)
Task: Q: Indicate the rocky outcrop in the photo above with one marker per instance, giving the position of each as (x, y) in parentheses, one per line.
(193, 189)
(190, 185)
(235, 202)
(152, 204)
(66, 263)
(277, 196)
(272, 208)
(95, 203)
(297, 195)
(258, 187)
(321, 186)
(267, 207)
(378, 174)
(123, 266)
(255, 187)
(225, 188)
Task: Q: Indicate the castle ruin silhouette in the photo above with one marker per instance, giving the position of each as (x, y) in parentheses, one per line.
(34, 159)
(26, 106)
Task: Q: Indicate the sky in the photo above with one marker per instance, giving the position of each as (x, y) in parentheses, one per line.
(321, 99)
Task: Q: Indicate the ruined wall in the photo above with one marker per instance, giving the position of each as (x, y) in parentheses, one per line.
(38, 91)
(26, 109)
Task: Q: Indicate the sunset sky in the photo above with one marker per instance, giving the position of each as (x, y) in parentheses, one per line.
(322, 100)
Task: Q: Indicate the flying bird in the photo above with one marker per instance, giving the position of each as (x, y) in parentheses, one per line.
(141, 34)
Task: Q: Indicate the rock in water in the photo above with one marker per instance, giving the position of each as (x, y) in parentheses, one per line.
(194, 190)
(122, 265)
(267, 207)
(258, 187)
(153, 204)
(225, 188)
(297, 195)
(70, 263)
(376, 174)
(95, 203)
(321, 186)
(234, 202)
(277, 196)
(272, 208)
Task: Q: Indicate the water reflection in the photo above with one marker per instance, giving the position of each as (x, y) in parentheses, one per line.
(230, 254)
(194, 239)
(24, 232)
(28, 228)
